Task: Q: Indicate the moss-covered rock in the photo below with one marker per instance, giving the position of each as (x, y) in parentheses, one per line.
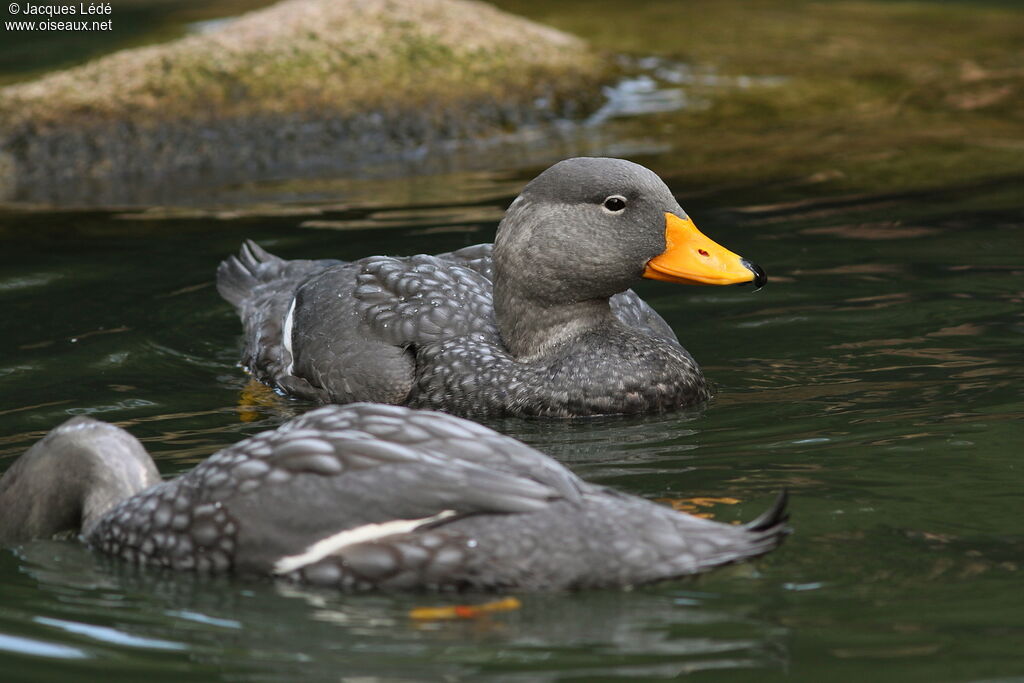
(301, 84)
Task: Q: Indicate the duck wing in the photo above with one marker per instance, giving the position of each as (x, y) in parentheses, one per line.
(357, 328)
(338, 332)
(422, 299)
(364, 468)
(341, 332)
(608, 539)
(476, 257)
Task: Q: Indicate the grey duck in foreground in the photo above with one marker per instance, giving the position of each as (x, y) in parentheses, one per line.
(541, 323)
(365, 496)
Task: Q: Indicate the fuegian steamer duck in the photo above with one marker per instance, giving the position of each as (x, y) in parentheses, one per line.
(360, 497)
(542, 322)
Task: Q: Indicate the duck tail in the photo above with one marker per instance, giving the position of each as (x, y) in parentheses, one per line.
(769, 530)
(773, 520)
(238, 276)
(729, 544)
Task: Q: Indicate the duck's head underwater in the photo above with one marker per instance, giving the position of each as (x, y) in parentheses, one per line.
(362, 497)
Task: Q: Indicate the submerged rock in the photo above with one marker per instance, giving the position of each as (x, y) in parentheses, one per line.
(300, 85)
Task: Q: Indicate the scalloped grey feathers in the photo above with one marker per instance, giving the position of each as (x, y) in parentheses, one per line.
(369, 496)
(543, 323)
(420, 331)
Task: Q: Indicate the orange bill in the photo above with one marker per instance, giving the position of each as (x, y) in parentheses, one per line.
(690, 258)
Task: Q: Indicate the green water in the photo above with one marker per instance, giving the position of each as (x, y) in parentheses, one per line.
(878, 377)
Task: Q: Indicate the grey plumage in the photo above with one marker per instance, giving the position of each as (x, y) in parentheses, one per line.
(65, 482)
(372, 496)
(541, 323)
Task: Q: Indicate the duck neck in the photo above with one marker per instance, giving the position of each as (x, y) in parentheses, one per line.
(531, 328)
(70, 479)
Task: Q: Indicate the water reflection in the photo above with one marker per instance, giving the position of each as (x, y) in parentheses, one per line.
(281, 629)
(878, 379)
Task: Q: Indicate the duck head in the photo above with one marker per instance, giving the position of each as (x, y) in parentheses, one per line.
(592, 227)
(588, 228)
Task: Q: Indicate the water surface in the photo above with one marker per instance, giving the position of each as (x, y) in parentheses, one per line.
(878, 377)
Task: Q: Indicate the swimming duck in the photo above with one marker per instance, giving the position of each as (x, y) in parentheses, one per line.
(365, 496)
(541, 323)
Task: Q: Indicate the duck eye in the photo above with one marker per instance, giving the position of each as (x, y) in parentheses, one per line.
(615, 203)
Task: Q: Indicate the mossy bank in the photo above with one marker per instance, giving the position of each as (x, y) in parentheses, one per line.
(303, 84)
(877, 95)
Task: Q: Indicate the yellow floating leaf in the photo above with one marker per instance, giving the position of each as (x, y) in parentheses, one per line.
(463, 611)
(693, 505)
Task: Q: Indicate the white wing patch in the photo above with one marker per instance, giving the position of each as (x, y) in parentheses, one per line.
(286, 337)
(361, 534)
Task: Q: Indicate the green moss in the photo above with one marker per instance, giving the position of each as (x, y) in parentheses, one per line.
(418, 63)
(878, 95)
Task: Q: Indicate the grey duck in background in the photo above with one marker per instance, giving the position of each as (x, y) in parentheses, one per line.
(543, 323)
(360, 497)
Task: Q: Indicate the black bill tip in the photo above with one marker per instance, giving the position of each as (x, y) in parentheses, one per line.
(760, 277)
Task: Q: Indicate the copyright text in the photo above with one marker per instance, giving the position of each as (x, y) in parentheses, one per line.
(82, 16)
